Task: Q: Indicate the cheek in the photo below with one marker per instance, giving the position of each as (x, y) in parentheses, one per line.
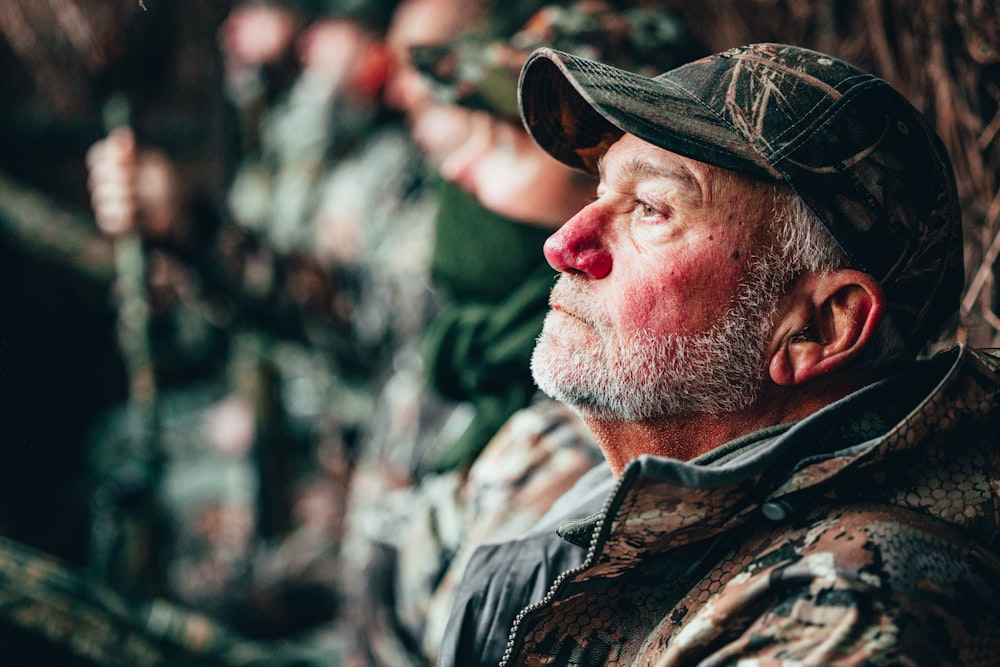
(659, 306)
(685, 294)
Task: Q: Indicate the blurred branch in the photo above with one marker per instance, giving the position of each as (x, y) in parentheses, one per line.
(43, 596)
(30, 220)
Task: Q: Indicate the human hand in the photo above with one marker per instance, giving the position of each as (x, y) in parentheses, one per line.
(132, 190)
(111, 166)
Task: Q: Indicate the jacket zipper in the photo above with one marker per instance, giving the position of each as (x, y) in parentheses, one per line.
(556, 587)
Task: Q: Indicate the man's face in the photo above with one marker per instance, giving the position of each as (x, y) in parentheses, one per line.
(509, 174)
(663, 306)
(414, 23)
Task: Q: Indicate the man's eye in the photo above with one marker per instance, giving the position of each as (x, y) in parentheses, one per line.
(649, 210)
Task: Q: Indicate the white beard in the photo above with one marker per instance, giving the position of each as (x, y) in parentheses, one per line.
(642, 376)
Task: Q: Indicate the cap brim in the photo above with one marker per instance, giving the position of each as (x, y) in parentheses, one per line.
(575, 108)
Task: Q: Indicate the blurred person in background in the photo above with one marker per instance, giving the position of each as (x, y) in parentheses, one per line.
(310, 273)
(409, 546)
(366, 216)
(65, 64)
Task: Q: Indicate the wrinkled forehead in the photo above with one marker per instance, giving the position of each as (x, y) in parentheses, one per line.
(632, 159)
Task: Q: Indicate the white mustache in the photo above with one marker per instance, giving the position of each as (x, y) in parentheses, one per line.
(567, 295)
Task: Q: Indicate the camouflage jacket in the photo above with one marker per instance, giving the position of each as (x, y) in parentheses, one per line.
(405, 548)
(865, 534)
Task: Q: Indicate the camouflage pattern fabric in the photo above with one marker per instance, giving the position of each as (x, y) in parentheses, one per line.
(407, 552)
(373, 225)
(42, 595)
(534, 459)
(299, 138)
(865, 534)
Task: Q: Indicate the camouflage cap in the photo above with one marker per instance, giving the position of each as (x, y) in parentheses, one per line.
(482, 74)
(859, 155)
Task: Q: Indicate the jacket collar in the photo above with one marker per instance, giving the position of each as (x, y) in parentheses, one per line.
(661, 504)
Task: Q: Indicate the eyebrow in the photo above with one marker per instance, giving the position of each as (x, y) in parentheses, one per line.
(636, 168)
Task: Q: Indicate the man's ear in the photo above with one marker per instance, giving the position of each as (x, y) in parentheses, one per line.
(825, 322)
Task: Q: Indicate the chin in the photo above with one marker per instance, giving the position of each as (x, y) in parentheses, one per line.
(560, 370)
(545, 359)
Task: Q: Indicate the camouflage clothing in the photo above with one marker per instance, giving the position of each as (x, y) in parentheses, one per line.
(85, 623)
(538, 455)
(425, 534)
(502, 576)
(865, 533)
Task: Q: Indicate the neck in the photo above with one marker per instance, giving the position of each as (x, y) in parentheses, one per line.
(681, 437)
(687, 436)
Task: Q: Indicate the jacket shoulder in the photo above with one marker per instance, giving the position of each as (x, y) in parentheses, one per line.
(844, 585)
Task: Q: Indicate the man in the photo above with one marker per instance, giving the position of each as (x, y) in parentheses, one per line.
(775, 237)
